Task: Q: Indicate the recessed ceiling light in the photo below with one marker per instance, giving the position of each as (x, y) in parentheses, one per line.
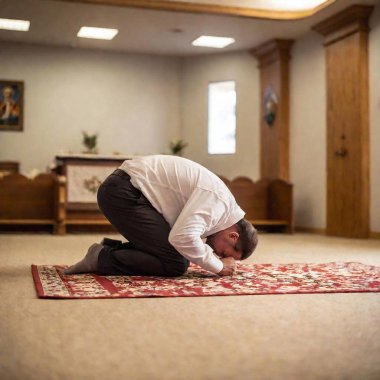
(97, 33)
(214, 42)
(19, 25)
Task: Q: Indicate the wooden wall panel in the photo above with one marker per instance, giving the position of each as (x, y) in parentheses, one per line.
(273, 58)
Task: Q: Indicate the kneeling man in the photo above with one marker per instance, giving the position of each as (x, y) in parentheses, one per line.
(172, 211)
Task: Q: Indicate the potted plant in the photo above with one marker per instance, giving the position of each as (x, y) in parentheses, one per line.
(177, 146)
(90, 142)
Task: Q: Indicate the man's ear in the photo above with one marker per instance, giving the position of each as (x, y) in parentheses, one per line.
(234, 235)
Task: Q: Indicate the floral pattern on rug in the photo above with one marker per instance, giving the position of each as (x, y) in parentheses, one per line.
(249, 279)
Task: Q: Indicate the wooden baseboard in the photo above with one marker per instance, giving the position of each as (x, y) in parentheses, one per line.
(374, 235)
(310, 230)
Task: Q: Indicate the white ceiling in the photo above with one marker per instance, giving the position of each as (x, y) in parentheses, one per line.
(149, 31)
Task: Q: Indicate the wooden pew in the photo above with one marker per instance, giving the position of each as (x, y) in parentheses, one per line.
(38, 202)
(8, 167)
(268, 203)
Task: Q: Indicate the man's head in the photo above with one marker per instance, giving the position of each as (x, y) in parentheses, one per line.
(7, 92)
(238, 241)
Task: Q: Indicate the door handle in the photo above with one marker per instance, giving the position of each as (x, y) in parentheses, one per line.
(342, 152)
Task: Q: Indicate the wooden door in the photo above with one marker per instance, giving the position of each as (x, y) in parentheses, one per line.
(347, 138)
(346, 42)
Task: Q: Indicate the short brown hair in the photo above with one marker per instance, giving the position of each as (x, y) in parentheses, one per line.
(248, 238)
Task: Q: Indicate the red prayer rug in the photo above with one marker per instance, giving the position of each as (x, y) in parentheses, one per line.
(249, 279)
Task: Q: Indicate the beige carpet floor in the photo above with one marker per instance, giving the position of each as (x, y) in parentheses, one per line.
(320, 336)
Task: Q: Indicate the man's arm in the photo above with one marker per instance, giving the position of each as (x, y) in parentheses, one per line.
(229, 266)
(201, 213)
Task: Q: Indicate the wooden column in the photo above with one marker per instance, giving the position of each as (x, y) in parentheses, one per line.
(273, 58)
(346, 48)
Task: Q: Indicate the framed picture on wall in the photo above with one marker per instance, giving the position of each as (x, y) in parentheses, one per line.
(11, 105)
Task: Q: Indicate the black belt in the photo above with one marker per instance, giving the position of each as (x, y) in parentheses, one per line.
(121, 173)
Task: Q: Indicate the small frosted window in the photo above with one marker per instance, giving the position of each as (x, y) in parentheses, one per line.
(222, 118)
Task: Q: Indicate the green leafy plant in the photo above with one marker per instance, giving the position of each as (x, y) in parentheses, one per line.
(90, 142)
(177, 146)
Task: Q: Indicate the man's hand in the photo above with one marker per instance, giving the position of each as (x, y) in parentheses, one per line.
(229, 266)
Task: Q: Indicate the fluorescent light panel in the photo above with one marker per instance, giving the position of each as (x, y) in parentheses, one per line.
(18, 25)
(214, 42)
(97, 33)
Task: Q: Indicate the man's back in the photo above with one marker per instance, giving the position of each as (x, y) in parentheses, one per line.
(169, 181)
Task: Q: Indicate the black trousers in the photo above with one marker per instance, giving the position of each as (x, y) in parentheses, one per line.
(148, 251)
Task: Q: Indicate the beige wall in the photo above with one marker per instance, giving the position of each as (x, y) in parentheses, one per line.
(132, 101)
(308, 131)
(197, 73)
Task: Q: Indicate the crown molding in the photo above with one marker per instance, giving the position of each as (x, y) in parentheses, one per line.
(194, 7)
(349, 21)
(273, 50)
